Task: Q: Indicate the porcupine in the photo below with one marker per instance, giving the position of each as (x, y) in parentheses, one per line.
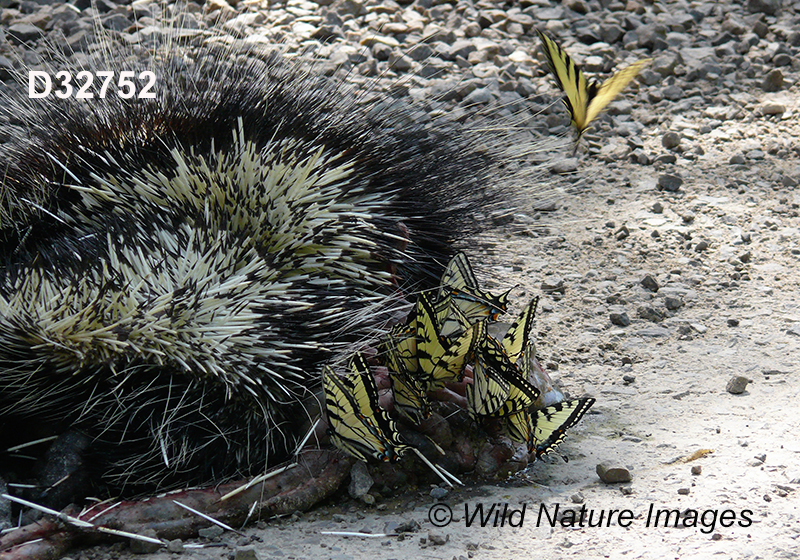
(174, 271)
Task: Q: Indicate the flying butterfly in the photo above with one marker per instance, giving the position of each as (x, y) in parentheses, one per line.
(357, 424)
(543, 430)
(585, 98)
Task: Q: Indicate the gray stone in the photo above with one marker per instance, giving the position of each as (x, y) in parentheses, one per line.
(360, 480)
(737, 385)
(620, 319)
(210, 532)
(669, 182)
(768, 7)
(670, 140)
(143, 547)
(245, 553)
(21, 32)
(479, 96)
(566, 165)
(553, 283)
(773, 81)
(650, 283)
(612, 474)
(400, 62)
(772, 108)
(437, 540)
(650, 313)
(653, 332)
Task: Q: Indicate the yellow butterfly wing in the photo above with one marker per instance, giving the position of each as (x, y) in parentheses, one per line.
(457, 274)
(410, 398)
(585, 99)
(519, 427)
(488, 391)
(460, 302)
(356, 423)
(519, 332)
(450, 320)
(498, 389)
(551, 423)
(571, 80)
(398, 349)
(612, 87)
(442, 359)
(521, 394)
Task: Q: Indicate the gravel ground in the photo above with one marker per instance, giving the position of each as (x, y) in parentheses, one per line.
(667, 257)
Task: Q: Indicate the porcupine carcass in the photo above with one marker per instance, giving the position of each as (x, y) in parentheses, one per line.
(174, 271)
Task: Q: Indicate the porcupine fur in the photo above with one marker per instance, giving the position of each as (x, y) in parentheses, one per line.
(173, 272)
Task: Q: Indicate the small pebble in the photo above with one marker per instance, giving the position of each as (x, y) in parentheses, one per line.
(245, 553)
(553, 283)
(360, 480)
(577, 498)
(737, 385)
(673, 303)
(733, 322)
(697, 469)
(668, 182)
(620, 319)
(609, 474)
(657, 208)
(772, 108)
(175, 545)
(701, 246)
(650, 283)
(670, 140)
(439, 493)
(210, 532)
(142, 547)
(773, 81)
(683, 491)
(628, 379)
(437, 540)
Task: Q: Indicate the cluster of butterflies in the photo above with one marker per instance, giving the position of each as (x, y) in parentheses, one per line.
(584, 98)
(444, 337)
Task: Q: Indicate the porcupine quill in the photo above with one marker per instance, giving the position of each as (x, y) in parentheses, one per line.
(174, 271)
